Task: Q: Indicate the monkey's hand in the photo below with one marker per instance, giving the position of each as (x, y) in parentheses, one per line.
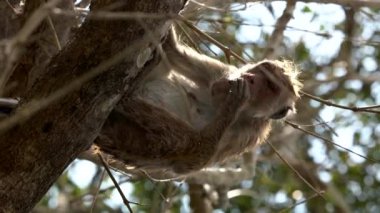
(219, 91)
(236, 94)
(222, 89)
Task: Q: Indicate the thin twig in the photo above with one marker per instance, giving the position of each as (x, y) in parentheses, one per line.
(125, 200)
(231, 40)
(220, 9)
(97, 191)
(325, 125)
(320, 193)
(260, 25)
(188, 37)
(299, 203)
(227, 51)
(353, 108)
(295, 126)
(54, 31)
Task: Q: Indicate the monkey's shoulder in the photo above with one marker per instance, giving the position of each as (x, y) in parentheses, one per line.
(168, 92)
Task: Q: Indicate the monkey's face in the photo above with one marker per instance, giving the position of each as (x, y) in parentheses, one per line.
(270, 97)
(271, 93)
(266, 99)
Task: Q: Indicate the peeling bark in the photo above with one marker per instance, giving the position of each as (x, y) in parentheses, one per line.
(47, 40)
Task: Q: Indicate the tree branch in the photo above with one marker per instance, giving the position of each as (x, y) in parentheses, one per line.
(35, 153)
(278, 33)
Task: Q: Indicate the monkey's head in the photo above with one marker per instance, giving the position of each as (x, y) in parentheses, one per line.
(273, 88)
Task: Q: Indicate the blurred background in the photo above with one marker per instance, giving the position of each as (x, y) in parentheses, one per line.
(330, 157)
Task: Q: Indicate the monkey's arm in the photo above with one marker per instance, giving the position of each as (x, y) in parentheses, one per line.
(200, 68)
(149, 137)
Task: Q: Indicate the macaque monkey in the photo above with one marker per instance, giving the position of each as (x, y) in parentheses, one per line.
(192, 111)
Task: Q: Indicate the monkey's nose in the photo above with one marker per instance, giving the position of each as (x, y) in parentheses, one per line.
(249, 77)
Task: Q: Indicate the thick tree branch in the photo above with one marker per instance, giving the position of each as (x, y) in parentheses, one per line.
(278, 33)
(34, 154)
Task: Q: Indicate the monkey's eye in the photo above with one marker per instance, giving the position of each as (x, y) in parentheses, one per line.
(280, 114)
(271, 86)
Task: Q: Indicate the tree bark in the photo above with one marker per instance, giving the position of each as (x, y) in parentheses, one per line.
(47, 42)
(33, 154)
(9, 20)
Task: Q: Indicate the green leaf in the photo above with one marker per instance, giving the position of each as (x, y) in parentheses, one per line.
(306, 9)
(302, 53)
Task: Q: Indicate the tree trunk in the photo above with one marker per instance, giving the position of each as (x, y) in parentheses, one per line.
(34, 153)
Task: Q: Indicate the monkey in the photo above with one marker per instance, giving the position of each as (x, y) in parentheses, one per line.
(193, 111)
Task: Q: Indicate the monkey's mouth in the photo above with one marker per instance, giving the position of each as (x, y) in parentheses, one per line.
(282, 113)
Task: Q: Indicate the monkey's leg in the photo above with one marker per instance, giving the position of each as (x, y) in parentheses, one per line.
(146, 136)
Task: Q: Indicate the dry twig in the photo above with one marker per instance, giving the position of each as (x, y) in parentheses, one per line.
(353, 108)
(320, 193)
(125, 200)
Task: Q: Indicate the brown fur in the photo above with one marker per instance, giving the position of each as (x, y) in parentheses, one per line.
(198, 111)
